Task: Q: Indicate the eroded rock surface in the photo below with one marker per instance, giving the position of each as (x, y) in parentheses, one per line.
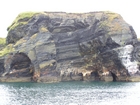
(52, 47)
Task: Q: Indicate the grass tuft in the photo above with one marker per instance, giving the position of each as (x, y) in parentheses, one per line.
(21, 19)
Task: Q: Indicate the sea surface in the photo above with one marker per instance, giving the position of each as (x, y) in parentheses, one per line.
(70, 93)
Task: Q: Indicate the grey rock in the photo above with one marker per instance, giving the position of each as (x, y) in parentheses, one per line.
(69, 46)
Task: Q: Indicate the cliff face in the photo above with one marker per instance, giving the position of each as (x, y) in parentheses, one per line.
(51, 47)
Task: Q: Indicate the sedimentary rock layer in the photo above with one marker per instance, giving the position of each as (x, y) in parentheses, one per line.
(51, 47)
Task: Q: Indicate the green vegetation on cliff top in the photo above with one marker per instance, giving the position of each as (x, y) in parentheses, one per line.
(9, 48)
(5, 49)
(2, 41)
(21, 19)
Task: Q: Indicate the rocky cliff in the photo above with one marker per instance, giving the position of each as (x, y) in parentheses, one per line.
(52, 47)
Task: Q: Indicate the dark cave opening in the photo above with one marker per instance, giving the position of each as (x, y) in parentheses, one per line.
(114, 77)
(20, 61)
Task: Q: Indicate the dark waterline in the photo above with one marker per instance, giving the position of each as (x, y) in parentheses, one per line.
(70, 93)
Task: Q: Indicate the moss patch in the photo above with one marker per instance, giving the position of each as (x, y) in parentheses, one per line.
(46, 64)
(21, 19)
(33, 36)
(21, 41)
(9, 48)
(43, 29)
(111, 23)
(112, 16)
(2, 41)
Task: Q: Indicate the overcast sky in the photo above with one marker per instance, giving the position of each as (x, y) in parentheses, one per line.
(129, 9)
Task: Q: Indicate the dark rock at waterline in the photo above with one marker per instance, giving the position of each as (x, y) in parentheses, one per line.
(1, 66)
(52, 47)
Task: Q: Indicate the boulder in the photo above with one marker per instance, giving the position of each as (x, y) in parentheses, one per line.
(59, 46)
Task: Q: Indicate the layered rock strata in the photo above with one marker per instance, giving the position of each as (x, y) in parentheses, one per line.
(52, 47)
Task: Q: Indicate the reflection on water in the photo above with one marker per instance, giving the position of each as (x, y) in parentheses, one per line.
(70, 93)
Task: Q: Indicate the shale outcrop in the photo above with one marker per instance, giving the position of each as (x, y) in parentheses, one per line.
(58, 46)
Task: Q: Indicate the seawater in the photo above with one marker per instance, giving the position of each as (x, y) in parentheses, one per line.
(70, 93)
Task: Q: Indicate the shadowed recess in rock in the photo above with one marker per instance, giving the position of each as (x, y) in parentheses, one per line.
(18, 64)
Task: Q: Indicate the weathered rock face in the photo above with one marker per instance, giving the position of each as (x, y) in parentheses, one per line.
(51, 47)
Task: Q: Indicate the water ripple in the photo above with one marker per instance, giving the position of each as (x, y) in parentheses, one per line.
(70, 93)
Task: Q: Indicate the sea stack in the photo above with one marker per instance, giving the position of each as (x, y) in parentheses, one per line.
(59, 46)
